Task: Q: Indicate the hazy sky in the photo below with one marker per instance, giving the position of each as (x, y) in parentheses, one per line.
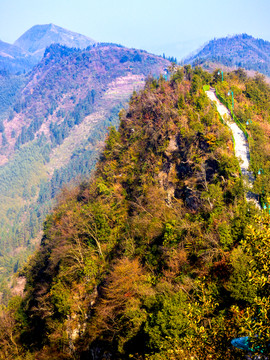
(154, 25)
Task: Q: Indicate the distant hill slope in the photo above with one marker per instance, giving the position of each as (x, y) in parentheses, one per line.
(71, 83)
(14, 59)
(11, 51)
(55, 125)
(240, 50)
(36, 39)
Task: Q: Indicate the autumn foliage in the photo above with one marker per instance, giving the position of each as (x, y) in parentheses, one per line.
(158, 256)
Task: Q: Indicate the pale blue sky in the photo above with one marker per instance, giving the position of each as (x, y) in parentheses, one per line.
(154, 25)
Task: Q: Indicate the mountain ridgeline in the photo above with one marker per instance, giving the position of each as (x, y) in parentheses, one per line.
(29, 48)
(158, 255)
(14, 60)
(39, 37)
(243, 51)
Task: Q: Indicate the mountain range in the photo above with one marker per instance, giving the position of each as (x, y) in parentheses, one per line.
(53, 123)
(142, 242)
(232, 51)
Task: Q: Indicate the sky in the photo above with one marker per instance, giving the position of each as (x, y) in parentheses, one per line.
(173, 27)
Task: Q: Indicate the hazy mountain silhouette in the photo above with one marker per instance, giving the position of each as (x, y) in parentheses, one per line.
(36, 39)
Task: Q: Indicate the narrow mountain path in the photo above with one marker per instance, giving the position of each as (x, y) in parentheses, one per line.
(241, 147)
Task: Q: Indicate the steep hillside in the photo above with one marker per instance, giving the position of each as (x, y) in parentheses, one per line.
(151, 258)
(70, 84)
(239, 50)
(39, 37)
(53, 129)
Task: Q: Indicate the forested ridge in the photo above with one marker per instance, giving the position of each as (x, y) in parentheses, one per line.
(158, 255)
(239, 50)
(53, 122)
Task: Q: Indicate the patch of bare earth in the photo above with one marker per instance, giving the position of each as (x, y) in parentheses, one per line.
(18, 287)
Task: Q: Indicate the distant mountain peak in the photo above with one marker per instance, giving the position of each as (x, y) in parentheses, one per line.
(37, 38)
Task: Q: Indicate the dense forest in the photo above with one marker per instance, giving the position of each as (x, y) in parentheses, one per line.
(158, 255)
(9, 87)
